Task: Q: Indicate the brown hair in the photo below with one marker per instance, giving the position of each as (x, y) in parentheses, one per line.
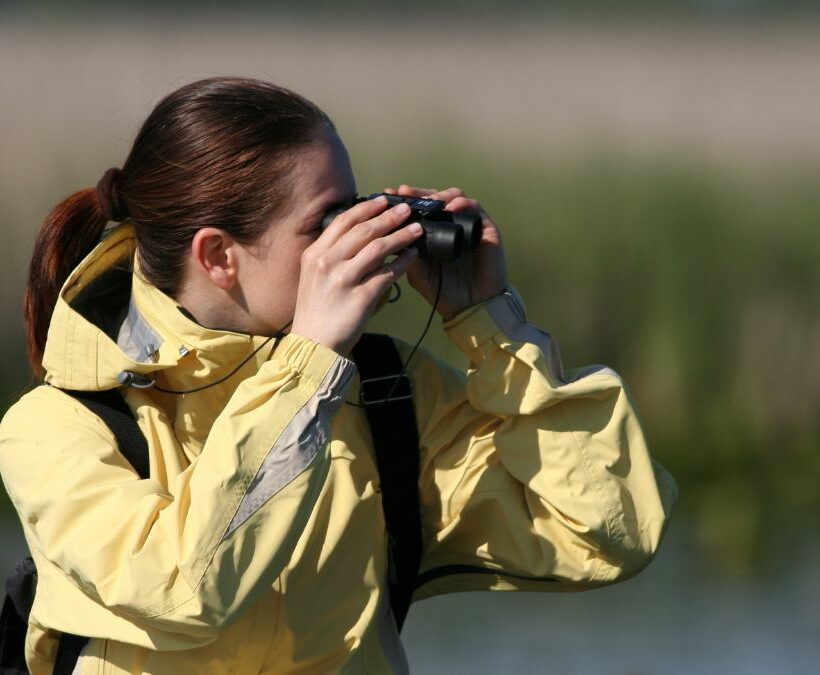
(214, 153)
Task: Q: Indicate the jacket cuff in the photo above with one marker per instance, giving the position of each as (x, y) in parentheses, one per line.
(310, 359)
(505, 313)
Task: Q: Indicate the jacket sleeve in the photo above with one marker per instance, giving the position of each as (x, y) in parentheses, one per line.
(178, 566)
(531, 477)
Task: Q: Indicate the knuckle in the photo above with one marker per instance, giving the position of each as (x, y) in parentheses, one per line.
(342, 217)
(369, 229)
(321, 264)
(354, 215)
(375, 248)
(337, 278)
(378, 226)
(308, 256)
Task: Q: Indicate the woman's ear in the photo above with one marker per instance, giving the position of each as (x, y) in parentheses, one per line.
(214, 253)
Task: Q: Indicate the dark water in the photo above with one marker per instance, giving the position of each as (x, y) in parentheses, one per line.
(668, 620)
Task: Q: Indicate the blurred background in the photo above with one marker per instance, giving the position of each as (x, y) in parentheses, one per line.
(656, 172)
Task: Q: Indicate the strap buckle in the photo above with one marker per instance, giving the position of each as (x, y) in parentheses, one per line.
(386, 389)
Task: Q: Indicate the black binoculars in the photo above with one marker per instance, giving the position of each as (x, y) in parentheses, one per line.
(446, 235)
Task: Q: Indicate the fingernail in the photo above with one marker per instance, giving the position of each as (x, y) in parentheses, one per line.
(415, 228)
(401, 209)
(380, 199)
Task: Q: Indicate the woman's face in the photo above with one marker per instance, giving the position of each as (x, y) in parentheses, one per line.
(269, 275)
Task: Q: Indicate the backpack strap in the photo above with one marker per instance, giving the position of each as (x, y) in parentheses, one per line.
(14, 617)
(387, 395)
(21, 584)
(111, 408)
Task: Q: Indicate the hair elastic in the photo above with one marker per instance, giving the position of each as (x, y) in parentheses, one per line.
(108, 196)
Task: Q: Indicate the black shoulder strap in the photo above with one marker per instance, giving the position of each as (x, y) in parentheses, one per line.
(387, 396)
(112, 409)
(21, 584)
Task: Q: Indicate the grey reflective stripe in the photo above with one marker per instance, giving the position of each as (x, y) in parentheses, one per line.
(136, 337)
(78, 667)
(392, 647)
(307, 434)
(594, 370)
(509, 315)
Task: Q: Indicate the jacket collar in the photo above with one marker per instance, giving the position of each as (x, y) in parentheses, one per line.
(84, 352)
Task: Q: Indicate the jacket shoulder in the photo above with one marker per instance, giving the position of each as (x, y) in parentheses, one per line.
(50, 415)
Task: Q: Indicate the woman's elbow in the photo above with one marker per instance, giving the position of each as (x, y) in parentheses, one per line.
(629, 549)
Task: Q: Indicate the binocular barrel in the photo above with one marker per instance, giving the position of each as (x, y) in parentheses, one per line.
(446, 235)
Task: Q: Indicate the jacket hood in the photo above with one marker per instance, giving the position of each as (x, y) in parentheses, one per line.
(111, 327)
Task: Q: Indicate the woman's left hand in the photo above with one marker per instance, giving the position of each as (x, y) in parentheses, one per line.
(476, 276)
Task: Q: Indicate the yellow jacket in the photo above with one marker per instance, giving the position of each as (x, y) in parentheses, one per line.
(258, 543)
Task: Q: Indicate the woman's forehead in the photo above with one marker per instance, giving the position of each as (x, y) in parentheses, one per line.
(322, 171)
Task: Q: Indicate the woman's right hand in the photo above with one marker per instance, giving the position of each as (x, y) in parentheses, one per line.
(344, 273)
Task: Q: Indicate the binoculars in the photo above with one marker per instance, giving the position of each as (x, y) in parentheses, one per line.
(446, 235)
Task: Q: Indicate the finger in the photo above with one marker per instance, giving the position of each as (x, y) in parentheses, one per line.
(372, 256)
(447, 195)
(390, 191)
(378, 281)
(362, 234)
(409, 191)
(364, 211)
(463, 204)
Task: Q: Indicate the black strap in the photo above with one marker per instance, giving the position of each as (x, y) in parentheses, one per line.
(68, 653)
(13, 629)
(21, 584)
(111, 408)
(395, 439)
(389, 408)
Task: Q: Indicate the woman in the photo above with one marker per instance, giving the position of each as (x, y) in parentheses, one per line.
(227, 316)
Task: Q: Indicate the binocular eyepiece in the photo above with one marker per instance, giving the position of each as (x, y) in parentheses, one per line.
(446, 235)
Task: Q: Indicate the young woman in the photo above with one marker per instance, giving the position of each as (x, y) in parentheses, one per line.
(198, 281)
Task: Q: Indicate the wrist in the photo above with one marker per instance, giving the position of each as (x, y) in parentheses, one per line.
(504, 313)
(322, 337)
(306, 356)
(449, 312)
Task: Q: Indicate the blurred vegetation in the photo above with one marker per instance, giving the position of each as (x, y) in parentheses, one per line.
(697, 281)
(700, 284)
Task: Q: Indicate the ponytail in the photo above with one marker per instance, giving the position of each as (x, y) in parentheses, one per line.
(215, 153)
(68, 234)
